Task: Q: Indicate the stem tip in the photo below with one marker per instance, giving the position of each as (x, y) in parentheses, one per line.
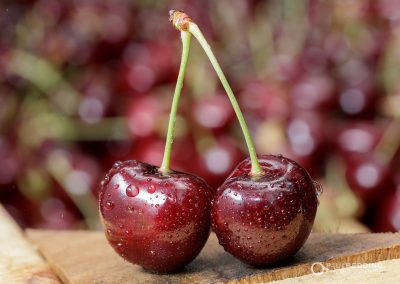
(179, 19)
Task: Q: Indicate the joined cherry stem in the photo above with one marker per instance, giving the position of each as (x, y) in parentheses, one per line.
(183, 23)
(165, 165)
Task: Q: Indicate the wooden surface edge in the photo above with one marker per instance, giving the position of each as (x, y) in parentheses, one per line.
(51, 262)
(366, 257)
(386, 271)
(19, 261)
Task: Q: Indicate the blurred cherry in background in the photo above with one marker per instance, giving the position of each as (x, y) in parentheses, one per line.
(86, 83)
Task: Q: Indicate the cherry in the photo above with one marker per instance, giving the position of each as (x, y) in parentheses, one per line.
(143, 114)
(262, 220)
(217, 160)
(156, 217)
(306, 136)
(264, 99)
(145, 65)
(357, 138)
(213, 112)
(159, 221)
(369, 177)
(314, 92)
(387, 217)
(56, 215)
(265, 210)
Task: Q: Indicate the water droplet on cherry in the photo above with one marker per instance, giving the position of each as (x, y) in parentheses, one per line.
(318, 188)
(151, 189)
(132, 190)
(109, 205)
(117, 164)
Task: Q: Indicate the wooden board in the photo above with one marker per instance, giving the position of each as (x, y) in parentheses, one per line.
(381, 272)
(85, 257)
(19, 261)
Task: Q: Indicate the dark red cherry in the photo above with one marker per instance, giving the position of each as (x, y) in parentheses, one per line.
(264, 100)
(314, 92)
(307, 139)
(214, 112)
(145, 65)
(357, 138)
(267, 219)
(143, 115)
(368, 177)
(387, 218)
(160, 222)
(216, 161)
(387, 215)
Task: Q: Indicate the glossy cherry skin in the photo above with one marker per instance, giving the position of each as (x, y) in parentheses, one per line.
(267, 219)
(160, 222)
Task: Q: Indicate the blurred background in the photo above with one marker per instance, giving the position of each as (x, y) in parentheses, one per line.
(86, 83)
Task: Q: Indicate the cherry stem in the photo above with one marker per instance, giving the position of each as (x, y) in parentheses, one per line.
(389, 142)
(165, 166)
(182, 22)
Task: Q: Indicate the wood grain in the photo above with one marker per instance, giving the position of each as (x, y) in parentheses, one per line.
(19, 261)
(85, 257)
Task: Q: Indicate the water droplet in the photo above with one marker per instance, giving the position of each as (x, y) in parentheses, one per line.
(109, 231)
(249, 238)
(130, 209)
(132, 190)
(151, 189)
(149, 179)
(318, 188)
(121, 226)
(109, 205)
(115, 186)
(120, 247)
(128, 232)
(117, 164)
(157, 205)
